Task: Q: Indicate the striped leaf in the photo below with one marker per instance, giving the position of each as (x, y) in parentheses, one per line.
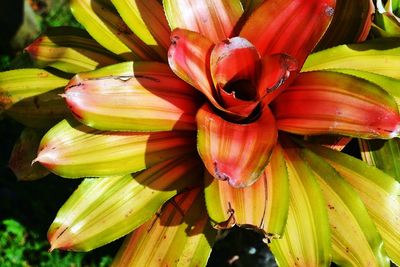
(350, 24)
(148, 97)
(72, 150)
(147, 20)
(262, 205)
(104, 24)
(323, 102)
(379, 192)
(306, 239)
(236, 153)
(16, 85)
(355, 239)
(272, 28)
(104, 209)
(388, 84)
(69, 49)
(217, 18)
(180, 235)
(379, 56)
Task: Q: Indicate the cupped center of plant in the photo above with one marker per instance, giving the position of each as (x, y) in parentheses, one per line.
(242, 89)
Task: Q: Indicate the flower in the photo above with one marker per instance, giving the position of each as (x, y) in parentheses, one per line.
(211, 79)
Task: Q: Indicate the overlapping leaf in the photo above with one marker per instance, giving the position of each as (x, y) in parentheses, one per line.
(379, 56)
(215, 19)
(16, 85)
(306, 239)
(104, 24)
(263, 205)
(379, 192)
(104, 209)
(69, 49)
(72, 150)
(180, 235)
(331, 103)
(144, 96)
(383, 154)
(355, 239)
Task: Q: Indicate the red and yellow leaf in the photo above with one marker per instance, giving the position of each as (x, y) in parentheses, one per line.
(215, 19)
(237, 153)
(291, 27)
(144, 96)
(333, 103)
(263, 205)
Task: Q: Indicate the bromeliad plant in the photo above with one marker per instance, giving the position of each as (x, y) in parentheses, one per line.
(203, 121)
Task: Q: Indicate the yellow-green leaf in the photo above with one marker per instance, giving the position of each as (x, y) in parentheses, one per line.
(379, 192)
(355, 239)
(180, 235)
(16, 85)
(104, 209)
(147, 20)
(72, 150)
(69, 49)
(104, 24)
(306, 239)
(379, 56)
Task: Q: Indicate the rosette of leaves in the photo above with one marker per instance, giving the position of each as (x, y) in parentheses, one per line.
(190, 116)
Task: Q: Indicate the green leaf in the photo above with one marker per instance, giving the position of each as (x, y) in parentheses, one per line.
(379, 56)
(72, 150)
(386, 25)
(379, 192)
(306, 240)
(355, 239)
(384, 155)
(180, 236)
(104, 209)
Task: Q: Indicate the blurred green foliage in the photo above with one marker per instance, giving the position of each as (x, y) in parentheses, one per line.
(20, 247)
